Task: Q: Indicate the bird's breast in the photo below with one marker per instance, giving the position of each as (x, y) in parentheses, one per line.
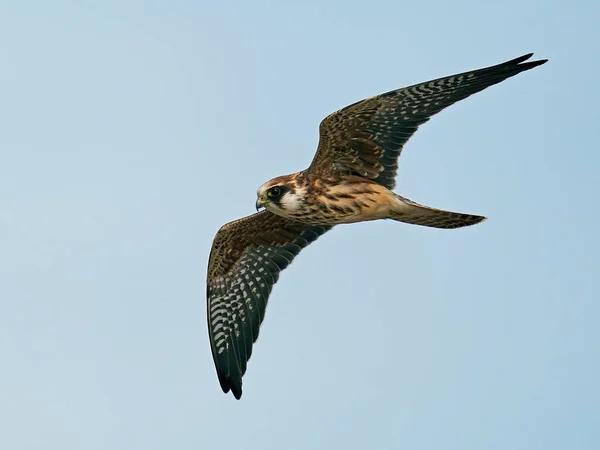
(346, 201)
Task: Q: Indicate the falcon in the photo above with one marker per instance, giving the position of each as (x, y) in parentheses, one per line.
(349, 180)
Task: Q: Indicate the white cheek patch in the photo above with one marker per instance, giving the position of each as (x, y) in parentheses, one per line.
(291, 202)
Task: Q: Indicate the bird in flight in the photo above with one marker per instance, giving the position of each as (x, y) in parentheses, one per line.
(350, 179)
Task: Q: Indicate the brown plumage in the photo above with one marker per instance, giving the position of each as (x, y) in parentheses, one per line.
(349, 180)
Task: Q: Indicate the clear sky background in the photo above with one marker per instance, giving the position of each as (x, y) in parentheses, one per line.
(132, 130)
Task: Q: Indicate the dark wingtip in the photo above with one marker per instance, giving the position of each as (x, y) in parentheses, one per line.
(520, 59)
(527, 65)
(227, 384)
(236, 391)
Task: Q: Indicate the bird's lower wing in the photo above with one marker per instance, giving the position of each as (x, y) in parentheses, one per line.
(245, 261)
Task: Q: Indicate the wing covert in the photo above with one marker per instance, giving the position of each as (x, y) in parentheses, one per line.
(245, 261)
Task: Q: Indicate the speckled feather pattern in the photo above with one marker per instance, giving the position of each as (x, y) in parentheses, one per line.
(245, 261)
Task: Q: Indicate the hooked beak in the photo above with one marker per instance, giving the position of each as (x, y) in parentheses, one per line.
(260, 202)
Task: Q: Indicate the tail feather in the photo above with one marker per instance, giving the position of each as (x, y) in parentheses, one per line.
(411, 212)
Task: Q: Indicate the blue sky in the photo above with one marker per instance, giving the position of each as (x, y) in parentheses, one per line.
(131, 131)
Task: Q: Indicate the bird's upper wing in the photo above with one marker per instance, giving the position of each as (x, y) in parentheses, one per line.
(366, 138)
(246, 258)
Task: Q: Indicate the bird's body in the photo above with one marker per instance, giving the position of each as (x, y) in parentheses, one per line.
(332, 200)
(349, 180)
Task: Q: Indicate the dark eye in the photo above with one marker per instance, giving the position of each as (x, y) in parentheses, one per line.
(274, 192)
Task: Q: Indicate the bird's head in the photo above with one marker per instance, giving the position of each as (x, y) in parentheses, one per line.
(281, 195)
